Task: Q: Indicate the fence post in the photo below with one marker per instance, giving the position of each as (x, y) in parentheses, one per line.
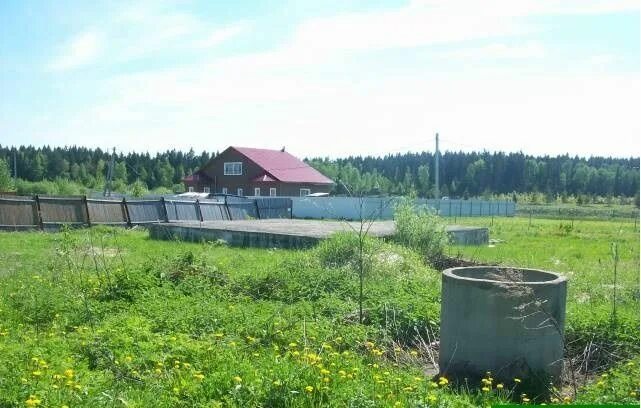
(199, 211)
(125, 211)
(164, 209)
(227, 209)
(40, 222)
(84, 201)
(257, 210)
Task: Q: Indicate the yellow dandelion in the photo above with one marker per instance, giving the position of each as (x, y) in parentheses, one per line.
(309, 389)
(32, 401)
(237, 379)
(325, 371)
(499, 386)
(517, 380)
(199, 376)
(326, 379)
(485, 389)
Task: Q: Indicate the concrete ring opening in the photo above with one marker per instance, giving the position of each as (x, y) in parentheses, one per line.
(504, 275)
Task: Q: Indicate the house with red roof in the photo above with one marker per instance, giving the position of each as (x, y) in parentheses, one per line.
(257, 172)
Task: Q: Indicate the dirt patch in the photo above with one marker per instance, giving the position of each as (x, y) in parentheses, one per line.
(447, 262)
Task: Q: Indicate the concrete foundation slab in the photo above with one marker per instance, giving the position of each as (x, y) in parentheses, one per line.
(290, 233)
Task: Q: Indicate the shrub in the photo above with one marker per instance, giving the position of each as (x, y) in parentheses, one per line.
(342, 249)
(421, 229)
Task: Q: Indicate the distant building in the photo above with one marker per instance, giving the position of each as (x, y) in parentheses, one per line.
(257, 172)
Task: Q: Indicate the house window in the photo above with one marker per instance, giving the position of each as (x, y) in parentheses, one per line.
(233, 168)
(305, 192)
(240, 191)
(224, 190)
(272, 192)
(257, 191)
(205, 189)
(191, 189)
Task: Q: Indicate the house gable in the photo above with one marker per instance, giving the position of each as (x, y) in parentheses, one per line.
(260, 171)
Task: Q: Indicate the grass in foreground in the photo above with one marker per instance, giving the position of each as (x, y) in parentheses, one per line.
(107, 317)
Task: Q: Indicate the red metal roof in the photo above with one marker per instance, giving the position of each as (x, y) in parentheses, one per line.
(283, 166)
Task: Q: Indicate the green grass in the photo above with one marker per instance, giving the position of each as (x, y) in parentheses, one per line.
(585, 211)
(107, 317)
(582, 250)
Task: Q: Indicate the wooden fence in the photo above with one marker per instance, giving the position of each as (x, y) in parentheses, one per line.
(43, 212)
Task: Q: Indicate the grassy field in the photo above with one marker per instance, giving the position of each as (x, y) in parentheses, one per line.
(107, 317)
(574, 211)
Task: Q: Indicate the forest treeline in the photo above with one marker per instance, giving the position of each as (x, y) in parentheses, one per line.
(461, 174)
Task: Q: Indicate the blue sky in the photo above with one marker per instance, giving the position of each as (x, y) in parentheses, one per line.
(329, 78)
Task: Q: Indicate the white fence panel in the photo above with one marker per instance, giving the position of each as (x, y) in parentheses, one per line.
(383, 207)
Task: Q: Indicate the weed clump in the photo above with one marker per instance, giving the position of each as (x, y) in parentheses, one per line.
(421, 229)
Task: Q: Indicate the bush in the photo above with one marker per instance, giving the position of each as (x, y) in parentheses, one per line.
(421, 229)
(342, 249)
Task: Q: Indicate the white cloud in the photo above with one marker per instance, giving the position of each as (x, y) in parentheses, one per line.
(81, 50)
(527, 50)
(283, 96)
(221, 35)
(141, 31)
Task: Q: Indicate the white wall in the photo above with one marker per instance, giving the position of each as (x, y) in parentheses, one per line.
(383, 207)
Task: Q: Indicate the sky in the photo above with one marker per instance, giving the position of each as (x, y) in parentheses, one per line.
(323, 78)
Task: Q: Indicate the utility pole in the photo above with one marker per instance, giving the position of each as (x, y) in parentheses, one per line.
(437, 194)
(110, 172)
